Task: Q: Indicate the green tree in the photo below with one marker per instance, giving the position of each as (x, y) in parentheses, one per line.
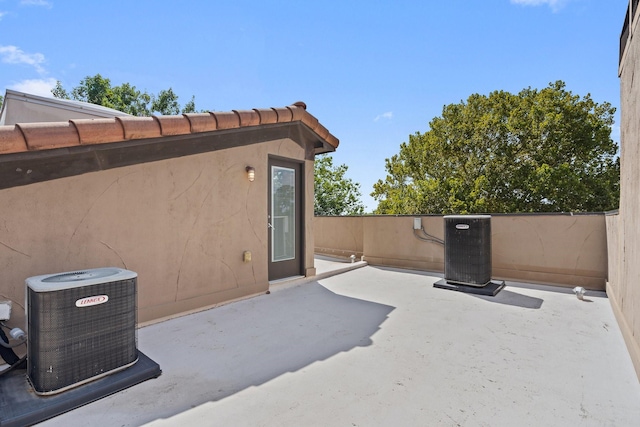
(190, 107)
(95, 90)
(335, 194)
(1, 100)
(536, 151)
(126, 97)
(59, 92)
(166, 102)
(130, 100)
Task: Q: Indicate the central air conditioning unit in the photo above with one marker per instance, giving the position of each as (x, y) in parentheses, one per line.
(81, 327)
(467, 255)
(467, 259)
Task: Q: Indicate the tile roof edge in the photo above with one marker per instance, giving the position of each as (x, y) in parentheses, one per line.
(99, 131)
(33, 136)
(12, 140)
(300, 113)
(49, 135)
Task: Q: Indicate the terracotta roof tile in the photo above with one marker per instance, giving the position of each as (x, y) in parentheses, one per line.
(322, 131)
(98, 131)
(48, 135)
(174, 125)
(11, 140)
(41, 136)
(284, 115)
(333, 141)
(310, 121)
(139, 127)
(248, 117)
(297, 113)
(202, 122)
(227, 120)
(267, 116)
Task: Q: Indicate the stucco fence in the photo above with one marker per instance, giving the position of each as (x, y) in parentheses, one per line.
(558, 249)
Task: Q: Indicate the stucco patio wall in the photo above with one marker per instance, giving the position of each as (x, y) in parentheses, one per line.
(623, 287)
(559, 249)
(182, 224)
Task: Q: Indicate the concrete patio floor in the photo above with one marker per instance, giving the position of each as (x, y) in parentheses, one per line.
(382, 347)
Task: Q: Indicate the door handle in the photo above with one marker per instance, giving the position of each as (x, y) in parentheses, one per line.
(271, 226)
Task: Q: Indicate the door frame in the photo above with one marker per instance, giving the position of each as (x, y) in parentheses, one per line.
(289, 268)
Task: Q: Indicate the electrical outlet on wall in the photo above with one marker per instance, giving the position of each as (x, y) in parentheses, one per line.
(5, 310)
(417, 223)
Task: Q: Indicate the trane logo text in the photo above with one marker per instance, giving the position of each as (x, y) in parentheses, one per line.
(89, 301)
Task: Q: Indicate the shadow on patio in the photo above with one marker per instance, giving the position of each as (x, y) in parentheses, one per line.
(211, 355)
(380, 347)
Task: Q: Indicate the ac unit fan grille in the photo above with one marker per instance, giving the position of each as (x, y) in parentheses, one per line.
(70, 344)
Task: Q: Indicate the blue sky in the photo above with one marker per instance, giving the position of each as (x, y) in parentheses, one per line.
(373, 72)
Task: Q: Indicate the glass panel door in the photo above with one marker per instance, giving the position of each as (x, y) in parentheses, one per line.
(283, 217)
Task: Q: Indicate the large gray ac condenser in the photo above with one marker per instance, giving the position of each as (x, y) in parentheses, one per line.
(467, 259)
(81, 327)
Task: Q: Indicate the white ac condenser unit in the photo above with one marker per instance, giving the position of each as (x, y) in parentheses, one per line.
(81, 327)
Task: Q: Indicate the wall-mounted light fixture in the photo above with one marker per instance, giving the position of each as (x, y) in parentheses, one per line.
(251, 173)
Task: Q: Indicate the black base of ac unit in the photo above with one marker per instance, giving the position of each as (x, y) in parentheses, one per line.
(490, 289)
(20, 406)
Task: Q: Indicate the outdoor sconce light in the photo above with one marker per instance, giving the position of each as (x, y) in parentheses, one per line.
(251, 173)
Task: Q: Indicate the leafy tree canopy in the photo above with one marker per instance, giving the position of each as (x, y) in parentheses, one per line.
(538, 151)
(125, 98)
(335, 194)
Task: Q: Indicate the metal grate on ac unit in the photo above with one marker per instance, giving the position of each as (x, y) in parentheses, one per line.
(81, 327)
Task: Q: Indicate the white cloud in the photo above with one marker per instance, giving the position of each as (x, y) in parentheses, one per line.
(555, 5)
(388, 115)
(14, 55)
(40, 87)
(2, 14)
(43, 3)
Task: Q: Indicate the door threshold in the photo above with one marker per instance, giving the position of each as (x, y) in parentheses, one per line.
(284, 280)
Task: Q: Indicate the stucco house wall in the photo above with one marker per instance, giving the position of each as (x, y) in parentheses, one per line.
(182, 222)
(623, 287)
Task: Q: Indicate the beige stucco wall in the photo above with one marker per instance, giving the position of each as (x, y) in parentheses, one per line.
(181, 224)
(623, 287)
(339, 236)
(565, 250)
(390, 241)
